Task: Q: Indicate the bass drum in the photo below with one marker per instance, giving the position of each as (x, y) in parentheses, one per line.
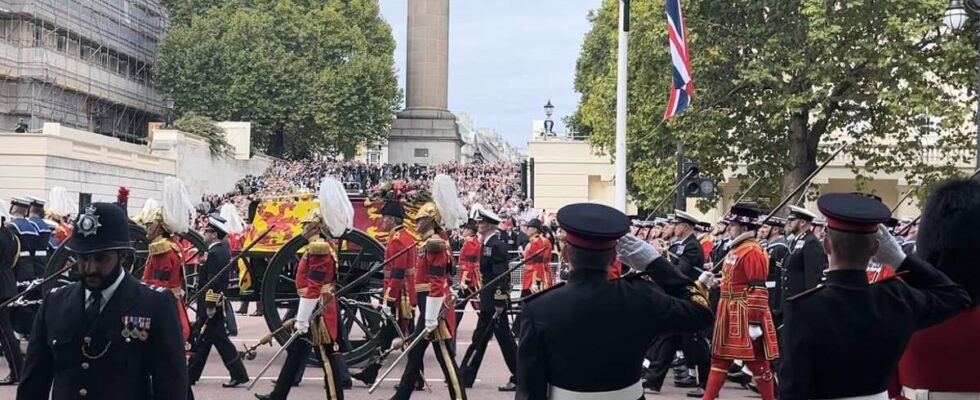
(360, 320)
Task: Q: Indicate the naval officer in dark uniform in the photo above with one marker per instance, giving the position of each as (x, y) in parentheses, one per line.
(805, 265)
(586, 338)
(24, 267)
(843, 339)
(107, 337)
(9, 252)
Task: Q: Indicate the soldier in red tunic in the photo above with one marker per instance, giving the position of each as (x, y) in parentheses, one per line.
(469, 268)
(399, 286)
(165, 264)
(316, 277)
(743, 328)
(537, 271)
(435, 298)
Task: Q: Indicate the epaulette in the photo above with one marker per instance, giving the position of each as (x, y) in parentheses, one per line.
(435, 245)
(533, 296)
(160, 247)
(805, 293)
(319, 248)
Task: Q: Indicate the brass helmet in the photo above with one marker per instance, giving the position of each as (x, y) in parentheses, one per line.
(429, 210)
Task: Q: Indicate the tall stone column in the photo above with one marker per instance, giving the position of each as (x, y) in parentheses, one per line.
(426, 132)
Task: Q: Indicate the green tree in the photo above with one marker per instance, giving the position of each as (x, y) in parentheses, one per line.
(206, 128)
(313, 77)
(779, 84)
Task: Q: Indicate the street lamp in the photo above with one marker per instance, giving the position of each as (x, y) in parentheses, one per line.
(955, 19)
(548, 123)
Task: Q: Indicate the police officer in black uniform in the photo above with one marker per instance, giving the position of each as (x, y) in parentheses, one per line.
(24, 269)
(494, 304)
(9, 251)
(210, 327)
(106, 337)
(843, 339)
(586, 337)
(805, 265)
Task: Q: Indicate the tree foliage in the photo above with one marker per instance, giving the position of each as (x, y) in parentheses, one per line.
(781, 83)
(206, 128)
(313, 77)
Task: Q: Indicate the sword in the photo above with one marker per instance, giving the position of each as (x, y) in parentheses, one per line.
(35, 285)
(273, 359)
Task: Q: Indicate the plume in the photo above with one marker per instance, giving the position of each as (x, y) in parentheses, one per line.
(60, 203)
(446, 197)
(177, 207)
(335, 207)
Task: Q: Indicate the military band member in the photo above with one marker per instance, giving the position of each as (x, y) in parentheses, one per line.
(211, 328)
(537, 271)
(399, 286)
(744, 329)
(940, 361)
(106, 337)
(775, 244)
(435, 297)
(25, 267)
(316, 277)
(494, 303)
(625, 314)
(805, 265)
(9, 252)
(844, 338)
(469, 267)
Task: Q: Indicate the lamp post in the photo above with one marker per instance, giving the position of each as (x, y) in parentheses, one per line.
(955, 18)
(549, 125)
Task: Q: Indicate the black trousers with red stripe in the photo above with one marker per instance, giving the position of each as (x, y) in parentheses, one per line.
(10, 344)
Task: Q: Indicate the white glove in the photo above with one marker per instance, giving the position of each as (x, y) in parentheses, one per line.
(890, 253)
(755, 331)
(306, 307)
(635, 252)
(706, 278)
(385, 311)
(432, 307)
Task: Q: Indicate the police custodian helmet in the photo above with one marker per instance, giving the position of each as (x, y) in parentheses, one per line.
(102, 227)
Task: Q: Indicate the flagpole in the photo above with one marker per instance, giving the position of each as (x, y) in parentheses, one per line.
(621, 74)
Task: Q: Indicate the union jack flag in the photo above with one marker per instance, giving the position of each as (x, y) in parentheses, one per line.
(682, 87)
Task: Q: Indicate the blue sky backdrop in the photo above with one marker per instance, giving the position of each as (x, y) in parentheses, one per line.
(507, 58)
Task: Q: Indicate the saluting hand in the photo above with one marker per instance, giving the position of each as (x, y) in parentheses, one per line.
(635, 252)
(889, 253)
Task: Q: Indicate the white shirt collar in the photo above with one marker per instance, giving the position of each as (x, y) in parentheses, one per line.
(211, 246)
(107, 292)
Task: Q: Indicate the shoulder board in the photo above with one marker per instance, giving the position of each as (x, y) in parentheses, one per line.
(160, 247)
(435, 245)
(533, 296)
(806, 293)
(319, 248)
(896, 275)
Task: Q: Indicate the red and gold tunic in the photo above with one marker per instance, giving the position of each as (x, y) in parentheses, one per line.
(62, 232)
(164, 268)
(315, 278)
(744, 302)
(537, 271)
(469, 264)
(399, 286)
(432, 269)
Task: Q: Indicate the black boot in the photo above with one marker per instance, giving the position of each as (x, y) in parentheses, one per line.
(369, 374)
(686, 382)
(740, 378)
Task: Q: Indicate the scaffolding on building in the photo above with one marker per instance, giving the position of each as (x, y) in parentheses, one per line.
(82, 63)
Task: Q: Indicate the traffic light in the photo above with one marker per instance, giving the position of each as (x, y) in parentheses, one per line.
(694, 185)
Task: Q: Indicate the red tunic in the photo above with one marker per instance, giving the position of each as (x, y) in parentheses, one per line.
(943, 358)
(707, 245)
(315, 278)
(164, 269)
(399, 286)
(469, 264)
(877, 272)
(537, 271)
(744, 301)
(432, 273)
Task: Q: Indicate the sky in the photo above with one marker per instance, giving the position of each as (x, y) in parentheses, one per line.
(507, 58)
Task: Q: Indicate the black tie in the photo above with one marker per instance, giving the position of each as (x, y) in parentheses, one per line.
(94, 307)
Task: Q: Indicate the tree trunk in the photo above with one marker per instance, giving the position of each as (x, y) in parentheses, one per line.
(802, 160)
(277, 142)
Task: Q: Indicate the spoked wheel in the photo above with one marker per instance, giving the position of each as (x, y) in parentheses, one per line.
(137, 236)
(360, 322)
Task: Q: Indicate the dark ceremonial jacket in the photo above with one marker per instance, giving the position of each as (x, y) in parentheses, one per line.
(845, 337)
(493, 262)
(591, 334)
(778, 250)
(218, 256)
(803, 269)
(9, 249)
(691, 260)
(129, 368)
(29, 240)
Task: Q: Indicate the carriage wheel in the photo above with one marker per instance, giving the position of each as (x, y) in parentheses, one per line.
(137, 236)
(360, 322)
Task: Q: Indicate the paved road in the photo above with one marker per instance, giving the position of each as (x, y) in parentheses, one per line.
(492, 374)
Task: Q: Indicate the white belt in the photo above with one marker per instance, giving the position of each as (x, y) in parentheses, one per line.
(770, 284)
(926, 394)
(42, 253)
(876, 396)
(631, 392)
(25, 254)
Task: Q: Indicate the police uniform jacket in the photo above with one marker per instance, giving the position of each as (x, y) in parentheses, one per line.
(72, 359)
(691, 260)
(778, 251)
(804, 266)
(591, 334)
(845, 338)
(9, 249)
